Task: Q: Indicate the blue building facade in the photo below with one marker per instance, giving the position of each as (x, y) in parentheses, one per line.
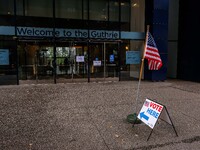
(157, 18)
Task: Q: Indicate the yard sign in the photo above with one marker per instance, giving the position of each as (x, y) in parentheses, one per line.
(150, 113)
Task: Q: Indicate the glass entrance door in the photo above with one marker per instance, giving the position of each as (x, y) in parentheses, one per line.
(75, 62)
(72, 62)
(104, 61)
(35, 63)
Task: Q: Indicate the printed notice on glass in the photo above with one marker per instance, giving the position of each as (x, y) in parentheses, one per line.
(133, 57)
(79, 58)
(4, 57)
(97, 63)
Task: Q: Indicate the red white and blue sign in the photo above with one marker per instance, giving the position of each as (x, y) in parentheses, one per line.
(150, 113)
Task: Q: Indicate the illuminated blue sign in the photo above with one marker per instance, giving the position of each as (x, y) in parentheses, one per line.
(70, 33)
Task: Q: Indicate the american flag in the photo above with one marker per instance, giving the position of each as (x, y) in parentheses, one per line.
(152, 54)
(146, 103)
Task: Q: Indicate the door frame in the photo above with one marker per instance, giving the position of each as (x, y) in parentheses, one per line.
(104, 44)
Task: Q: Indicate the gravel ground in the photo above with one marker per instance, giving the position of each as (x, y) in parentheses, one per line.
(92, 116)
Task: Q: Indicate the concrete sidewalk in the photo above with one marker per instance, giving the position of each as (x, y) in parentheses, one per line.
(92, 116)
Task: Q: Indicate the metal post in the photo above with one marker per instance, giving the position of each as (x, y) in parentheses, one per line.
(54, 44)
(17, 61)
(88, 61)
(104, 48)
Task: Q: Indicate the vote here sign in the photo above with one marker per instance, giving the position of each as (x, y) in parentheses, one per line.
(150, 112)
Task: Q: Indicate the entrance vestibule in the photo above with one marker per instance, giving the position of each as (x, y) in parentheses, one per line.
(74, 60)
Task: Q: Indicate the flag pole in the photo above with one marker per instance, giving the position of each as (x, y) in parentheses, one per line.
(141, 69)
(132, 118)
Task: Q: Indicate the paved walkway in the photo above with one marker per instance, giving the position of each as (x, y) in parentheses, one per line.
(92, 116)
